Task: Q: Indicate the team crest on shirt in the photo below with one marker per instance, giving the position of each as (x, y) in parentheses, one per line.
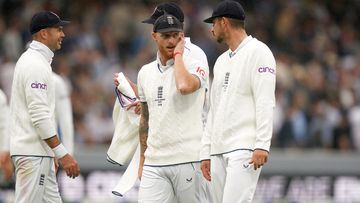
(159, 99)
(226, 81)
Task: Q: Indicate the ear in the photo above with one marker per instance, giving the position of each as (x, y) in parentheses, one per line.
(43, 33)
(224, 21)
(153, 36)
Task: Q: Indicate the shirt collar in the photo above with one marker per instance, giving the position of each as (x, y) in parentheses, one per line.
(169, 63)
(241, 45)
(187, 43)
(42, 49)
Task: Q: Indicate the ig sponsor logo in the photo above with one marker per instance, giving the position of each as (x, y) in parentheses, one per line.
(38, 85)
(266, 69)
(200, 71)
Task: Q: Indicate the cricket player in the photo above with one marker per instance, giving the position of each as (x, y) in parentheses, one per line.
(172, 93)
(190, 48)
(240, 121)
(33, 139)
(173, 9)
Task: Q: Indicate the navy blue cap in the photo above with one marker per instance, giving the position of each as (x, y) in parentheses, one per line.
(168, 7)
(45, 19)
(229, 9)
(167, 23)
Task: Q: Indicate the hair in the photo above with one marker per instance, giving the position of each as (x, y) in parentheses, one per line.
(236, 23)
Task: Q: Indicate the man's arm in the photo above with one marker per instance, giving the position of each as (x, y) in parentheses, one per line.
(143, 134)
(68, 163)
(263, 79)
(186, 82)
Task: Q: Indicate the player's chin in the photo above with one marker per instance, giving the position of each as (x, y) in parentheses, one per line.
(58, 46)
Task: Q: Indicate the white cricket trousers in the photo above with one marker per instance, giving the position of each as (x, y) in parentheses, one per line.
(35, 180)
(233, 180)
(182, 183)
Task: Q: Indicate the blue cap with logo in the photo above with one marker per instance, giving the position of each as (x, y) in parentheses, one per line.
(45, 19)
(167, 23)
(229, 9)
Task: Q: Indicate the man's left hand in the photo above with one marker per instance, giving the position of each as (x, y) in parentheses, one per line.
(259, 158)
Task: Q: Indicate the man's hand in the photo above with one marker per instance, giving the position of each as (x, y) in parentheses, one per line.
(141, 165)
(205, 169)
(259, 158)
(180, 45)
(137, 107)
(6, 165)
(70, 165)
(116, 82)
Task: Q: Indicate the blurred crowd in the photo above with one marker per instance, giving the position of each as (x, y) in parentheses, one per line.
(316, 44)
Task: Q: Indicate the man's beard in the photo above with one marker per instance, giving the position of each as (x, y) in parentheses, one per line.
(220, 38)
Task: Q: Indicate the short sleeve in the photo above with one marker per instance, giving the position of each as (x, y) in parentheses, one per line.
(199, 69)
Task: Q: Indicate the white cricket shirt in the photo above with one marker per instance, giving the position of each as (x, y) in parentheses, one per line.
(63, 113)
(32, 103)
(175, 123)
(242, 100)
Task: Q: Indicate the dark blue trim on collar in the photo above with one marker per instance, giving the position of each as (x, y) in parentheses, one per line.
(158, 65)
(122, 97)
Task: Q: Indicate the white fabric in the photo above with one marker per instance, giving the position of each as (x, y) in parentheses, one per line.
(4, 117)
(35, 180)
(195, 52)
(125, 138)
(167, 184)
(130, 176)
(127, 96)
(242, 100)
(32, 103)
(125, 142)
(175, 122)
(233, 180)
(60, 151)
(124, 86)
(63, 113)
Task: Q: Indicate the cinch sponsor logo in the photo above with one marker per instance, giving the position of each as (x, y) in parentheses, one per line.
(266, 69)
(38, 85)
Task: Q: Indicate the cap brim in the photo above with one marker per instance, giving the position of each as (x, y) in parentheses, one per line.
(210, 20)
(62, 23)
(171, 29)
(149, 21)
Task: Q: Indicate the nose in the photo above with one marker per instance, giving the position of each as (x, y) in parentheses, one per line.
(173, 40)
